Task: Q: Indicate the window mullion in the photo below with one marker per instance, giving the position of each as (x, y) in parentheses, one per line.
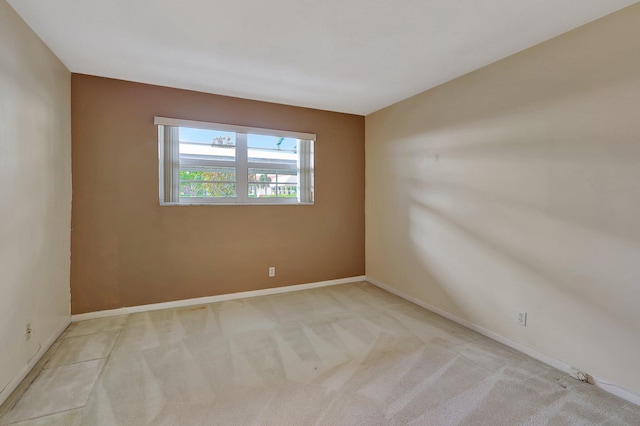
(242, 171)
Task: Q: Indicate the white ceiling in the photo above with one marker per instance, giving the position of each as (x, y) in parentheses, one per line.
(352, 56)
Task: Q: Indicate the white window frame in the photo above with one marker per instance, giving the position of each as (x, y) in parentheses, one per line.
(169, 174)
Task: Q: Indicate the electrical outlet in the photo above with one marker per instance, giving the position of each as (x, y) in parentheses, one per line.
(272, 271)
(521, 318)
(27, 331)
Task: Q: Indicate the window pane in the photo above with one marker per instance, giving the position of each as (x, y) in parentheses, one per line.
(204, 173)
(208, 182)
(271, 149)
(207, 190)
(260, 183)
(203, 144)
(262, 175)
(287, 191)
(273, 183)
(262, 190)
(287, 176)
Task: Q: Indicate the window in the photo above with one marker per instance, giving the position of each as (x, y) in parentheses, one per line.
(209, 163)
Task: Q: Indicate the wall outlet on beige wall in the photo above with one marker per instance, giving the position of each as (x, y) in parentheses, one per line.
(272, 271)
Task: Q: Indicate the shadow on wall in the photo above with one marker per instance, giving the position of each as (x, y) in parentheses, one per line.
(529, 243)
(544, 199)
(518, 186)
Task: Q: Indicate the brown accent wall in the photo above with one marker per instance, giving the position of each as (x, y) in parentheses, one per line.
(127, 250)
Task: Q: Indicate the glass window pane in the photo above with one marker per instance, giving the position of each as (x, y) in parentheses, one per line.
(287, 176)
(207, 190)
(271, 149)
(287, 191)
(262, 175)
(273, 183)
(262, 190)
(205, 173)
(207, 182)
(260, 183)
(203, 144)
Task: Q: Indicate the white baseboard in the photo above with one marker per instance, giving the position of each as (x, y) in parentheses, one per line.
(553, 362)
(211, 299)
(18, 378)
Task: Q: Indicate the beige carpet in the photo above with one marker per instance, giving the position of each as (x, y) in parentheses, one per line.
(343, 355)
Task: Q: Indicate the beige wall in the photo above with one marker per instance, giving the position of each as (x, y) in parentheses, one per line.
(518, 187)
(127, 250)
(35, 207)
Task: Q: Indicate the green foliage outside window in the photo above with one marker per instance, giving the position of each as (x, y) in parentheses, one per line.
(207, 184)
(221, 184)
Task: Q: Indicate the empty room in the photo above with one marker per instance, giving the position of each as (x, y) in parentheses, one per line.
(319, 213)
